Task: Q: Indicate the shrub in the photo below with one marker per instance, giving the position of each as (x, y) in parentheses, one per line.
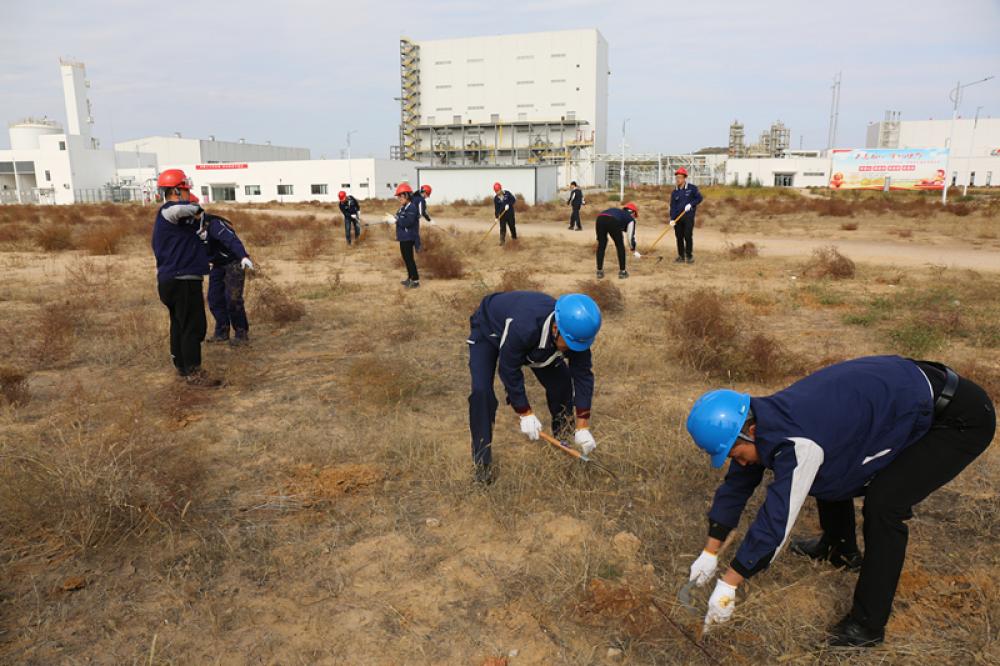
(518, 279)
(13, 386)
(607, 296)
(440, 259)
(101, 239)
(272, 303)
(829, 262)
(835, 208)
(58, 325)
(747, 250)
(849, 226)
(54, 237)
(378, 382)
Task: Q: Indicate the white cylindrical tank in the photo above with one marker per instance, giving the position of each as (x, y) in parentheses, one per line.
(24, 135)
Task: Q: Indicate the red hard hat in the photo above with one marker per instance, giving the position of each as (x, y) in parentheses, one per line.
(404, 187)
(497, 187)
(632, 207)
(681, 172)
(426, 189)
(193, 199)
(342, 195)
(173, 178)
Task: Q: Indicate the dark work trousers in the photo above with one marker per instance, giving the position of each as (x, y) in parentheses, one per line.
(684, 231)
(507, 220)
(406, 249)
(483, 403)
(225, 299)
(348, 223)
(958, 436)
(187, 322)
(574, 219)
(607, 226)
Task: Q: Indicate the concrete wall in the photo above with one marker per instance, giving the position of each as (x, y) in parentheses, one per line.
(806, 171)
(537, 184)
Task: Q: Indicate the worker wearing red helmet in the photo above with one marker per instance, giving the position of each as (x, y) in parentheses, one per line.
(408, 233)
(420, 198)
(181, 266)
(684, 202)
(351, 209)
(614, 222)
(503, 210)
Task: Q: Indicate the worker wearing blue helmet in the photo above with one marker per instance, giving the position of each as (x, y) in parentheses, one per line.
(888, 428)
(518, 329)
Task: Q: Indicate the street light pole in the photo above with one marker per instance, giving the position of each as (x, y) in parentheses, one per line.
(621, 175)
(350, 178)
(955, 96)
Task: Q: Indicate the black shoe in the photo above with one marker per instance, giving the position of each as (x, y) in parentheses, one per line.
(600, 274)
(622, 275)
(690, 260)
(414, 284)
(503, 240)
(218, 338)
(818, 548)
(484, 474)
(851, 633)
(405, 283)
(240, 339)
(679, 260)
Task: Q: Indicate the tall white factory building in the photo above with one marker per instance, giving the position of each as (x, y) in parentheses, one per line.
(507, 100)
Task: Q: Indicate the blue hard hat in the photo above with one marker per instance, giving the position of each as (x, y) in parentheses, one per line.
(716, 420)
(578, 319)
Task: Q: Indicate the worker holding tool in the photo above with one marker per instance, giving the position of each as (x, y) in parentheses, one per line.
(615, 222)
(408, 233)
(684, 202)
(351, 209)
(181, 266)
(503, 211)
(420, 199)
(888, 428)
(575, 202)
(229, 262)
(552, 337)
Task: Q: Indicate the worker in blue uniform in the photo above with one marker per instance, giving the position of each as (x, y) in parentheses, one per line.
(518, 329)
(351, 210)
(229, 262)
(408, 233)
(684, 199)
(503, 211)
(890, 429)
(615, 222)
(575, 202)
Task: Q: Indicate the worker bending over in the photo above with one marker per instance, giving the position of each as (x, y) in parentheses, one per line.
(408, 233)
(521, 329)
(229, 260)
(890, 429)
(684, 199)
(420, 198)
(351, 209)
(503, 211)
(615, 222)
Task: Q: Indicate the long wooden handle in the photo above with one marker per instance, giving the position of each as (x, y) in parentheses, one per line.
(672, 223)
(488, 231)
(559, 445)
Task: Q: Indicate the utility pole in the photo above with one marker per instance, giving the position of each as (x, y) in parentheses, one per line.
(831, 137)
(621, 175)
(955, 96)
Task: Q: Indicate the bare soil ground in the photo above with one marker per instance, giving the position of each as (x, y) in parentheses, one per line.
(319, 508)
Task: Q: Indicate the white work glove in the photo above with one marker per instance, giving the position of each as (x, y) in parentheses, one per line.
(687, 208)
(354, 216)
(721, 604)
(585, 441)
(531, 426)
(507, 207)
(203, 233)
(703, 568)
(635, 253)
(246, 264)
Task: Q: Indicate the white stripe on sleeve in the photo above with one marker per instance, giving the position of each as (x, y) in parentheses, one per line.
(808, 458)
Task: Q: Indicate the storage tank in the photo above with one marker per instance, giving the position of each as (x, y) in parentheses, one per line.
(24, 134)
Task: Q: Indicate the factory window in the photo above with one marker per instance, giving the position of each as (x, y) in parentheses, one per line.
(989, 177)
(429, 120)
(558, 55)
(204, 192)
(474, 60)
(444, 87)
(525, 57)
(972, 178)
(522, 116)
(818, 174)
(494, 117)
(345, 186)
(571, 115)
(558, 80)
(252, 190)
(319, 189)
(525, 106)
(48, 176)
(784, 179)
(558, 104)
(442, 62)
(476, 85)
(443, 108)
(476, 108)
(62, 145)
(457, 120)
(286, 190)
(525, 83)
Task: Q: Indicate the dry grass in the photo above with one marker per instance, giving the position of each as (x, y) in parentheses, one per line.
(746, 250)
(518, 279)
(828, 262)
(102, 239)
(273, 303)
(13, 386)
(441, 259)
(54, 238)
(608, 297)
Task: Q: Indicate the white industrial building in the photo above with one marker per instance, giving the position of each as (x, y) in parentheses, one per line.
(296, 180)
(508, 100)
(796, 169)
(536, 184)
(975, 150)
(49, 164)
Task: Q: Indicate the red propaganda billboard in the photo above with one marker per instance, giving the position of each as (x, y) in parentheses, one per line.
(219, 167)
(903, 168)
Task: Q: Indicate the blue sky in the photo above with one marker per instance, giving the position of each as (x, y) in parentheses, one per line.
(303, 73)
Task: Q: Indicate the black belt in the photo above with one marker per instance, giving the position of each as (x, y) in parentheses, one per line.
(947, 393)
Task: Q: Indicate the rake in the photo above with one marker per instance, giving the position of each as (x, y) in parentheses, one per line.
(570, 451)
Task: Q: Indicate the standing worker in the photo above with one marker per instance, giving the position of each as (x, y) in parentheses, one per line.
(575, 202)
(503, 211)
(230, 261)
(351, 209)
(684, 199)
(888, 428)
(408, 233)
(181, 265)
(550, 336)
(615, 222)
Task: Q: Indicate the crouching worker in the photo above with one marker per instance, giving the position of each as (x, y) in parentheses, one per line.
(553, 338)
(890, 429)
(226, 280)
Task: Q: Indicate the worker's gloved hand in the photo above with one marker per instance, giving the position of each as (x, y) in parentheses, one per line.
(354, 216)
(203, 232)
(704, 568)
(687, 208)
(585, 441)
(531, 426)
(507, 207)
(721, 604)
(635, 253)
(246, 264)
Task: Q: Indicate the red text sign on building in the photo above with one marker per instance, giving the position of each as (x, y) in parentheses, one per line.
(215, 167)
